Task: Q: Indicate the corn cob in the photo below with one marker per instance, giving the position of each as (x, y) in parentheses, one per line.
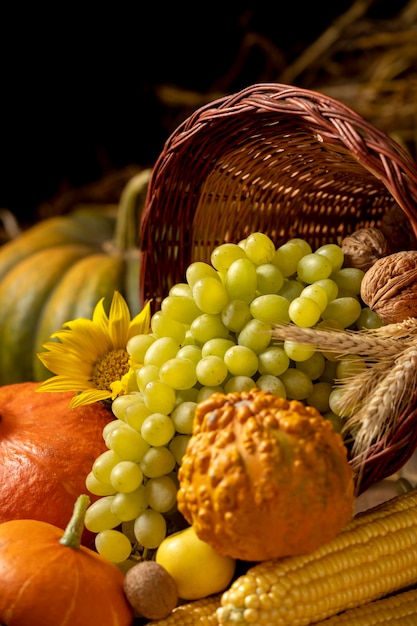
(201, 612)
(398, 610)
(374, 555)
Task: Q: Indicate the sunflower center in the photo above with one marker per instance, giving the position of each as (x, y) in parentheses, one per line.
(112, 366)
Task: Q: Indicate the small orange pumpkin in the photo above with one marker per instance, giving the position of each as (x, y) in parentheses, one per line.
(46, 451)
(263, 477)
(48, 578)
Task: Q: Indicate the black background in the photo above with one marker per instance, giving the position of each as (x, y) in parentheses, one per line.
(79, 91)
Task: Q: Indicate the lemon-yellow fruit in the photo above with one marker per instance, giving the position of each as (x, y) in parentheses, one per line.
(196, 567)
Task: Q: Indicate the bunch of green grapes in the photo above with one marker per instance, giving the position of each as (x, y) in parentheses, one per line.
(213, 333)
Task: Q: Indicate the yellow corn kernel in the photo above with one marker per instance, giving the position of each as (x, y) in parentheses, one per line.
(201, 612)
(397, 610)
(374, 555)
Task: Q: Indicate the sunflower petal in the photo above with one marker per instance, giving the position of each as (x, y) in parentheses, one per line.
(119, 321)
(141, 323)
(90, 397)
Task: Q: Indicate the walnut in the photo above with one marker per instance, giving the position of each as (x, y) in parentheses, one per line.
(363, 247)
(389, 287)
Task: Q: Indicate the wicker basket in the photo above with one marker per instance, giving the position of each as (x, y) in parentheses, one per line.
(286, 161)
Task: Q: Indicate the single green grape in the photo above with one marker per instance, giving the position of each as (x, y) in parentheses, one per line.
(269, 278)
(157, 430)
(319, 396)
(298, 351)
(164, 326)
(241, 280)
(161, 493)
(304, 312)
(210, 295)
(273, 384)
(127, 506)
(211, 371)
(113, 545)
(127, 443)
(271, 308)
(103, 465)
(208, 326)
(159, 397)
(241, 361)
(223, 256)
(181, 290)
(181, 309)
(368, 319)
(333, 253)
(297, 384)
(287, 257)
(178, 446)
(313, 267)
(236, 314)
(161, 350)
(97, 487)
(345, 311)
(198, 270)
(273, 360)
(99, 515)
(183, 416)
(150, 528)
(259, 248)
(178, 373)
(256, 334)
(137, 346)
(157, 461)
(126, 476)
(348, 280)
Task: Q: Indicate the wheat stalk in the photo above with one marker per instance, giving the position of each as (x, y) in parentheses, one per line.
(369, 344)
(384, 402)
(371, 401)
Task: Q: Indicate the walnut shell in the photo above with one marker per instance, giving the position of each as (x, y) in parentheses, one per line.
(363, 247)
(389, 287)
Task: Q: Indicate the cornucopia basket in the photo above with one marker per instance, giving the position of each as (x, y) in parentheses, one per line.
(289, 162)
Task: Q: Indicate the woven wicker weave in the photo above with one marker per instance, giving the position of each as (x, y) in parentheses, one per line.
(286, 161)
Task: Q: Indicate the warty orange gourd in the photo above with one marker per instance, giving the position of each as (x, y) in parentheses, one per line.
(263, 477)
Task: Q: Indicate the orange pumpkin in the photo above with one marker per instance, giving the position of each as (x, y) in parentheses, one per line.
(46, 451)
(263, 477)
(48, 578)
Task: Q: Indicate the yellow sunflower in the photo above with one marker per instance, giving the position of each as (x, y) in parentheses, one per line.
(90, 356)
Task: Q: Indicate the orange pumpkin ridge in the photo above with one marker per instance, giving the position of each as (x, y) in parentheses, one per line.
(47, 450)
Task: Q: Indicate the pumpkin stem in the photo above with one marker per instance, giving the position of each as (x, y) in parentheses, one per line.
(74, 530)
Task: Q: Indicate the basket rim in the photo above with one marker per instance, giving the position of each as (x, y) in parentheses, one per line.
(331, 121)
